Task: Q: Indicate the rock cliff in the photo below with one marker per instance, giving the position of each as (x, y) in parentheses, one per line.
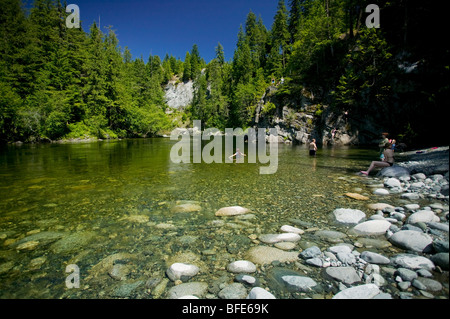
(179, 95)
(300, 119)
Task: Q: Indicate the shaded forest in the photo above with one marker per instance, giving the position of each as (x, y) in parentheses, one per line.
(60, 83)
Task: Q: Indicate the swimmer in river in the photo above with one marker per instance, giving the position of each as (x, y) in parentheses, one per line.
(239, 155)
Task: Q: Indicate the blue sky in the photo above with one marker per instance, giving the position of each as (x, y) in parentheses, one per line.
(173, 26)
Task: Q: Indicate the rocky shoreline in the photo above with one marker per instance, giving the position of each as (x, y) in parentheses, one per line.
(418, 235)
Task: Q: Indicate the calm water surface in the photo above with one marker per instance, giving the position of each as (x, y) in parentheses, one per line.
(64, 204)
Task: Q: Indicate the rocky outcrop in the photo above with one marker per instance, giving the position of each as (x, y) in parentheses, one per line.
(300, 119)
(179, 96)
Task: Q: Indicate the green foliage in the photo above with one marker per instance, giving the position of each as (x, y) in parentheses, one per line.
(268, 108)
(64, 83)
(319, 110)
(365, 84)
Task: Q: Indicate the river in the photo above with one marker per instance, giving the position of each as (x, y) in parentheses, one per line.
(81, 203)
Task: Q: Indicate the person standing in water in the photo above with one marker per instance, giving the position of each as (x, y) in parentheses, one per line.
(313, 148)
(239, 155)
(388, 160)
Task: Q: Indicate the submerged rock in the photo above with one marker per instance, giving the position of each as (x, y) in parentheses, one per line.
(73, 242)
(331, 236)
(379, 206)
(276, 238)
(120, 271)
(198, 289)
(291, 229)
(182, 271)
(186, 208)
(232, 211)
(357, 196)
(140, 219)
(381, 192)
(299, 283)
(291, 280)
(265, 255)
(241, 266)
(104, 266)
(41, 237)
(233, 291)
(127, 289)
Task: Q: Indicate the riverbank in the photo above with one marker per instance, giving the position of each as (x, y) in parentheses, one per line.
(428, 161)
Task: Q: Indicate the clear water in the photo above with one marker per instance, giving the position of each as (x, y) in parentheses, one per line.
(118, 197)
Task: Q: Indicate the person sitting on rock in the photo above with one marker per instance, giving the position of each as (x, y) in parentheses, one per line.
(388, 160)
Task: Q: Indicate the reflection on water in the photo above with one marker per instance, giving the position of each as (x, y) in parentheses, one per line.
(81, 204)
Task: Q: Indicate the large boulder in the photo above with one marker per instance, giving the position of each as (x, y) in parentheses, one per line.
(412, 240)
(394, 171)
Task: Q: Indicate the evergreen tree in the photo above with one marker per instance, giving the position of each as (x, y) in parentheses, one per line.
(280, 32)
(196, 62)
(167, 67)
(242, 60)
(256, 34)
(187, 68)
(220, 56)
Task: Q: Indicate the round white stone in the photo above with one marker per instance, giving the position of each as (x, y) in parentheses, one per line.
(241, 266)
(178, 270)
